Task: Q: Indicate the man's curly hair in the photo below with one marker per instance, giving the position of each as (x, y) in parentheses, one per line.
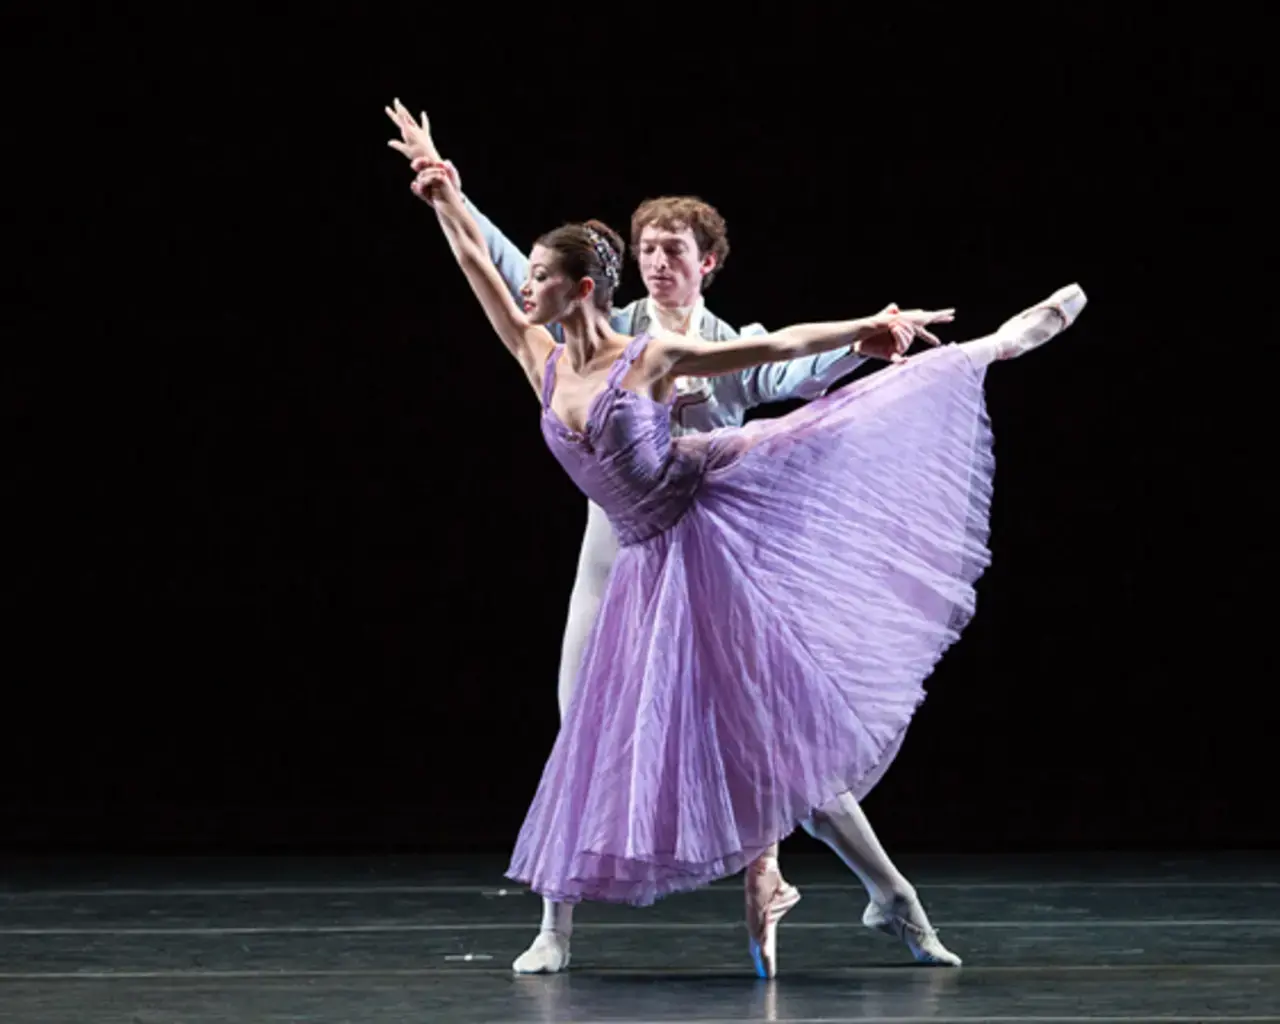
(674, 213)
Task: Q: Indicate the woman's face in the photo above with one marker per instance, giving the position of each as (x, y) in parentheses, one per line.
(547, 294)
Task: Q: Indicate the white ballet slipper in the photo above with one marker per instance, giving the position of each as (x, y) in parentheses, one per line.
(549, 954)
(906, 920)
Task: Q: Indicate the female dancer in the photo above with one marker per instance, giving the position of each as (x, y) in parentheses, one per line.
(782, 591)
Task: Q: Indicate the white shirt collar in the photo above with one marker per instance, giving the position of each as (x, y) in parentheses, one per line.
(684, 385)
(694, 329)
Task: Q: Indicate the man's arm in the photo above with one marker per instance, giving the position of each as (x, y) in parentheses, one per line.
(512, 265)
(416, 144)
(806, 377)
(812, 376)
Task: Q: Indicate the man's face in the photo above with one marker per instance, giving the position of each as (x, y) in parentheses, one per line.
(671, 266)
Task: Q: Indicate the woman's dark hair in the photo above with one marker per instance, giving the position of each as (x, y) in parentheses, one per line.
(593, 250)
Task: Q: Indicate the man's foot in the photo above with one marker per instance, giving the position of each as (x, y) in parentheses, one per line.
(769, 897)
(905, 919)
(549, 954)
(1033, 327)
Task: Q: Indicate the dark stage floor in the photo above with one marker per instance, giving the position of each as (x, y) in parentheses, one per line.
(1044, 939)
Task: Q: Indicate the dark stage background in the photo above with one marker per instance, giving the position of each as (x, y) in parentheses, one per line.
(289, 562)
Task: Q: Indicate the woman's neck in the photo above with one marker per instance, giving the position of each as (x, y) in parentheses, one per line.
(587, 335)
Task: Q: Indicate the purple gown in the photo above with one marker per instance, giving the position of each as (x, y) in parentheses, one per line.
(780, 594)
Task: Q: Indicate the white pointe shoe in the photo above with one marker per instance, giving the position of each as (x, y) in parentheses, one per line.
(549, 954)
(1033, 327)
(769, 897)
(906, 920)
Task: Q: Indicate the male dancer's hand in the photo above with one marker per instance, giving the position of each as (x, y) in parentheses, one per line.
(889, 344)
(416, 143)
(422, 163)
(892, 343)
(415, 139)
(434, 185)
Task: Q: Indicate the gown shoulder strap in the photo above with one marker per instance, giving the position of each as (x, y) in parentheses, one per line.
(549, 375)
(629, 355)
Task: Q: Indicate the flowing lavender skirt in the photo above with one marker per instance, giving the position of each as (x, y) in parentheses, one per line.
(767, 652)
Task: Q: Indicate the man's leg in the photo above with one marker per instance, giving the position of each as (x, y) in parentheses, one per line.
(550, 950)
(595, 562)
(895, 908)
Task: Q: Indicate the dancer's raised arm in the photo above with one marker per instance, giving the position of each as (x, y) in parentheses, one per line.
(694, 358)
(417, 144)
(530, 344)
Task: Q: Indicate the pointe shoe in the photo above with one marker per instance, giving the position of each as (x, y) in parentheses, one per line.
(1033, 327)
(906, 920)
(549, 954)
(769, 897)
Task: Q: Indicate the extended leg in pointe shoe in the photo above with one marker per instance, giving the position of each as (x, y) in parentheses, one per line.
(1033, 327)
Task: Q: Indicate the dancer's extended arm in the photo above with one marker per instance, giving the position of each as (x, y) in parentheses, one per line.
(530, 344)
(694, 358)
(417, 145)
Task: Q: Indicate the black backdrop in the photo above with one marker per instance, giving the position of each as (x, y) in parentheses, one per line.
(290, 563)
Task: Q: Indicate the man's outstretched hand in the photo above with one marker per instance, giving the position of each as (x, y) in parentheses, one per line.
(899, 332)
(416, 144)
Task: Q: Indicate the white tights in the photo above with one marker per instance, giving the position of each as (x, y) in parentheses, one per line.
(843, 826)
(595, 562)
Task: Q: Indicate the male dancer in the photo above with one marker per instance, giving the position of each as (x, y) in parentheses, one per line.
(680, 243)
